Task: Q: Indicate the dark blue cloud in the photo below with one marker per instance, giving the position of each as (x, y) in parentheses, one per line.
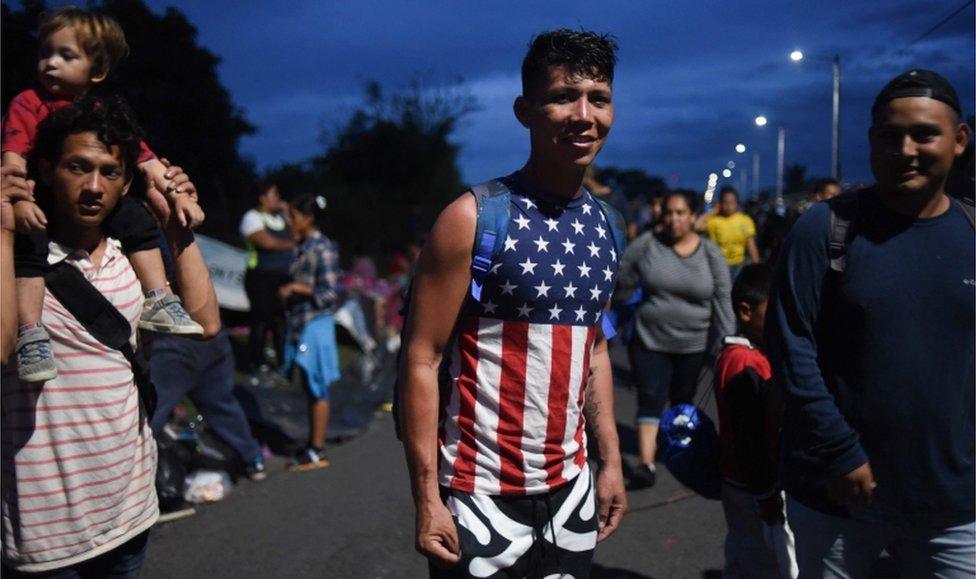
(691, 78)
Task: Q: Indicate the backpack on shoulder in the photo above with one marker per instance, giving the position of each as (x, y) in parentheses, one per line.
(493, 199)
(844, 211)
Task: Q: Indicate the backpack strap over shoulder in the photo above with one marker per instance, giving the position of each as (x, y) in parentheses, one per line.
(967, 207)
(493, 198)
(843, 210)
(618, 228)
(103, 321)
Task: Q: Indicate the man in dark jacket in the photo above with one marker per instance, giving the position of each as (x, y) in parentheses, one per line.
(875, 356)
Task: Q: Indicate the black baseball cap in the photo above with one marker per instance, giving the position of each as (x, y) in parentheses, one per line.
(918, 83)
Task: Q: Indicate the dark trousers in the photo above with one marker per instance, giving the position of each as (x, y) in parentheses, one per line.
(267, 314)
(204, 372)
(122, 562)
(661, 378)
(130, 222)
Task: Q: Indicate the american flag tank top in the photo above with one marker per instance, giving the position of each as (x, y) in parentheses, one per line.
(511, 420)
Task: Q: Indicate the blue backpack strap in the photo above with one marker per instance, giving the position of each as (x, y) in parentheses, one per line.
(493, 198)
(618, 228)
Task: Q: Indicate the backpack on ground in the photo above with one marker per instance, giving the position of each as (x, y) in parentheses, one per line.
(493, 199)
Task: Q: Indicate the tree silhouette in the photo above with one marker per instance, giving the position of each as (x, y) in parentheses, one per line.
(389, 170)
(633, 183)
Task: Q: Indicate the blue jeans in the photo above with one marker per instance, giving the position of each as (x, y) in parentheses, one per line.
(203, 371)
(835, 547)
(751, 552)
(122, 562)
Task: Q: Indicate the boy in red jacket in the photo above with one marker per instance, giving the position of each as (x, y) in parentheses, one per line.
(758, 543)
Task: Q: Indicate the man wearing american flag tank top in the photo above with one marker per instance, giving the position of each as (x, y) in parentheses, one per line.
(497, 448)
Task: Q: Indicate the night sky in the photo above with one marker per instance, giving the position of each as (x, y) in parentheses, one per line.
(691, 76)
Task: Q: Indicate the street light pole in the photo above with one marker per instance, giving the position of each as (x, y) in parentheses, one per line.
(797, 56)
(835, 149)
(755, 174)
(780, 155)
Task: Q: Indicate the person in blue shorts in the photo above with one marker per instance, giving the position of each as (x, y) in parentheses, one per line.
(310, 301)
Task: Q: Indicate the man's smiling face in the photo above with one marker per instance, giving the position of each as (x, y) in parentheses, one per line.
(568, 117)
(914, 141)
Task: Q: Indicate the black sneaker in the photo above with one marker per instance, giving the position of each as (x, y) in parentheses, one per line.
(309, 458)
(642, 477)
(255, 470)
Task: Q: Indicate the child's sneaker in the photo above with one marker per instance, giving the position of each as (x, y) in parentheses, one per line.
(166, 315)
(35, 359)
(309, 458)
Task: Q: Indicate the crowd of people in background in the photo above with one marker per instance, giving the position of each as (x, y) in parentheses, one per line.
(827, 397)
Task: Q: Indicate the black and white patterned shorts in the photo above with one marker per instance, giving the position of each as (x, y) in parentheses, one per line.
(545, 535)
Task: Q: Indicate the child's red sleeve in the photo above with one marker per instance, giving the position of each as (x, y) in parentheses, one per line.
(145, 153)
(20, 124)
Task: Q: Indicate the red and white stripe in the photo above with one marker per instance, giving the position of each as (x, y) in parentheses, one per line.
(513, 421)
(78, 462)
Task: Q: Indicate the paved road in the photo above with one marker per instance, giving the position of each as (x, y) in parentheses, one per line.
(355, 519)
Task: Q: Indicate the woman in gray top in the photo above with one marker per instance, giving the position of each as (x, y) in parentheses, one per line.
(685, 310)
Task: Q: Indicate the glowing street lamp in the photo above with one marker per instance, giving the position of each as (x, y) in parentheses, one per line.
(780, 153)
(740, 148)
(797, 56)
(710, 190)
(726, 173)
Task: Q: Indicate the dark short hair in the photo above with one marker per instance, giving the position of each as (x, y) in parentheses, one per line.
(728, 190)
(111, 119)
(690, 197)
(752, 285)
(313, 205)
(581, 52)
(820, 185)
(259, 187)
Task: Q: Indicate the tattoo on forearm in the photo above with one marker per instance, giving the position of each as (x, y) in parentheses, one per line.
(591, 406)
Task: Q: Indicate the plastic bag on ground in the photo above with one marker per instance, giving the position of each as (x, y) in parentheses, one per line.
(207, 486)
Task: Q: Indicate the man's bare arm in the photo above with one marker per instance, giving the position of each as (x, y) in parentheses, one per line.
(193, 281)
(8, 314)
(14, 186)
(439, 289)
(600, 419)
(192, 276)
